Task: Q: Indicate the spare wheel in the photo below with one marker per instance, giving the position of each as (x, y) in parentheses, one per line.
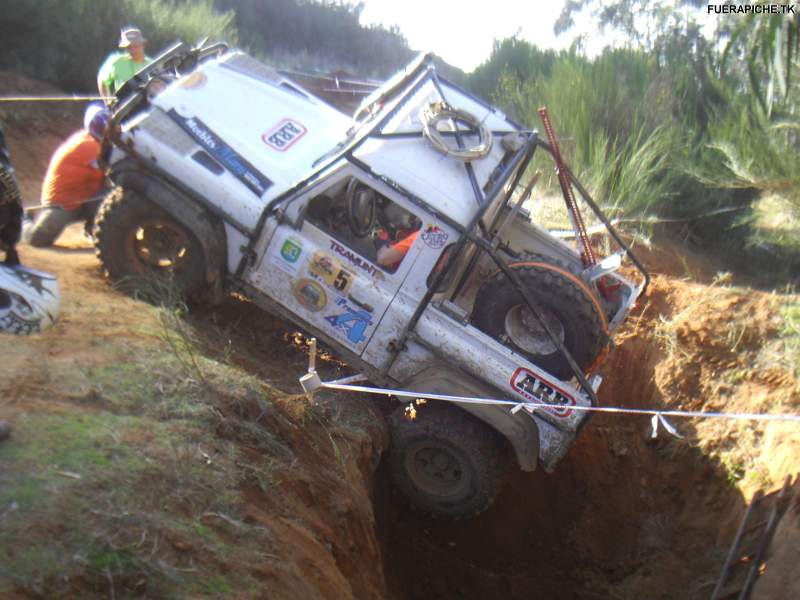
(568, 303)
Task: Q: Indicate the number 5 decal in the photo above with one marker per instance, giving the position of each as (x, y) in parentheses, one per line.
(343, 281)
(331, 272)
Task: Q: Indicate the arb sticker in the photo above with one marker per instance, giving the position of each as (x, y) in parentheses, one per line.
(284, 135)
(331, 272)
(434, 237)
(532, 387)
(310, 294)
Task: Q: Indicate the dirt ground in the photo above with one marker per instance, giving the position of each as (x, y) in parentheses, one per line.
(239, 488)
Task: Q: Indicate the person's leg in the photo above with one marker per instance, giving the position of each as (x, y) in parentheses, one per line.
(48, 226)
(88, 210)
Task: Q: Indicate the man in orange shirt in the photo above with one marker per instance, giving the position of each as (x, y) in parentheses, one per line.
(73, 186)
(391, 255)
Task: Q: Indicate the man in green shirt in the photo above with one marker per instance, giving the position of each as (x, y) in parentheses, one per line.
(121, 66)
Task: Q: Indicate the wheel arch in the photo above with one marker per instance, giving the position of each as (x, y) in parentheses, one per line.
(208, 229)
(521, 432)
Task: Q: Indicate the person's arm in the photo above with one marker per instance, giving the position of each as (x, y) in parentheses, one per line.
(391, 256)
(105, 78)
(388, 256)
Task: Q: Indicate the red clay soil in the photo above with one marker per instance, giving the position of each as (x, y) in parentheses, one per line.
(625, 515)
(34, 130)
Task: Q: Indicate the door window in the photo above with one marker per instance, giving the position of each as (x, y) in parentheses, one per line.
(366, 222)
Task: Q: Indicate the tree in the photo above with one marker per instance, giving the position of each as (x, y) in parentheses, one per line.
(769, 46)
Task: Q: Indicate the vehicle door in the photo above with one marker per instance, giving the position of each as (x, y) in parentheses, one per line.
(323, 262)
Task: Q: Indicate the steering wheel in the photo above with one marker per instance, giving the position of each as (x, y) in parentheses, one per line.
(361, 208)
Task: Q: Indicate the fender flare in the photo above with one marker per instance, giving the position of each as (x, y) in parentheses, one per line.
(521, 431)
(207, 228)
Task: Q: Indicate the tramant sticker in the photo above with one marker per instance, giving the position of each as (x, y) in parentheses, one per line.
(532, 387)
(354, 259)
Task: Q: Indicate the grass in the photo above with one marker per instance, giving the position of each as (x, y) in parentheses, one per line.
(135, 459)
(136, 480)
(790, 332)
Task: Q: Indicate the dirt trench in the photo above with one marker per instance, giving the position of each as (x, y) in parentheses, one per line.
(624, 515)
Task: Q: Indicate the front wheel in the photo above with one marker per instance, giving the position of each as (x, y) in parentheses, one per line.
(445, 462)
(140, 244)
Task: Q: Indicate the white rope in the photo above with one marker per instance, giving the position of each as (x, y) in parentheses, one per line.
(51, 98)
(533, 406)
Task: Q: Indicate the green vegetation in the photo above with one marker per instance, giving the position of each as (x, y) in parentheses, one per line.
(790, 333)
(611, 132)
(65, 41)
(674, 125)
(139, 461)
(323, 35)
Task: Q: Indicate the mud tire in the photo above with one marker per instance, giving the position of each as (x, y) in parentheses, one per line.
(122, 216)
(473, 453)
(564, 296)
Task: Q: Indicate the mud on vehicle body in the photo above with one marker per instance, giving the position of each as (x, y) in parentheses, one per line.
(232, 177)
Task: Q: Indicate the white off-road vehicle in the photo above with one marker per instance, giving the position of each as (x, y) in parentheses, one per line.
(398, 237)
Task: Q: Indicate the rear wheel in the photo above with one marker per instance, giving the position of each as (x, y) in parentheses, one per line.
(569, 307)
(445, 462)
(140, 244)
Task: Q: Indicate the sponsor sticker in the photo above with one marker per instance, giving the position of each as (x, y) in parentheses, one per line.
(331, 272)
(310, 294)
(288, 256)
(193, 81)
(434, 237)
(532, 387)
(291, 250)
(284, 135)
(354, 259)
(255, 181)
(353, 323)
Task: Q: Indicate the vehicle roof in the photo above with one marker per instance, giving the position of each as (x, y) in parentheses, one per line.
(440, 180)
(243, 101)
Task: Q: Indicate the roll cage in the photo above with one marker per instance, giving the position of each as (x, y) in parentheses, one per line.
(372, 117)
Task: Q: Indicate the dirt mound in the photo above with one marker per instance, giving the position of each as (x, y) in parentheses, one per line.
(35, 129)
(138, 466)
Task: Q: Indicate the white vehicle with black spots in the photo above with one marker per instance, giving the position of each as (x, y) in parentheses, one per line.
(398, 237)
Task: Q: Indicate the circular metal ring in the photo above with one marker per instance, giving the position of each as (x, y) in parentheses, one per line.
(437, 111)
